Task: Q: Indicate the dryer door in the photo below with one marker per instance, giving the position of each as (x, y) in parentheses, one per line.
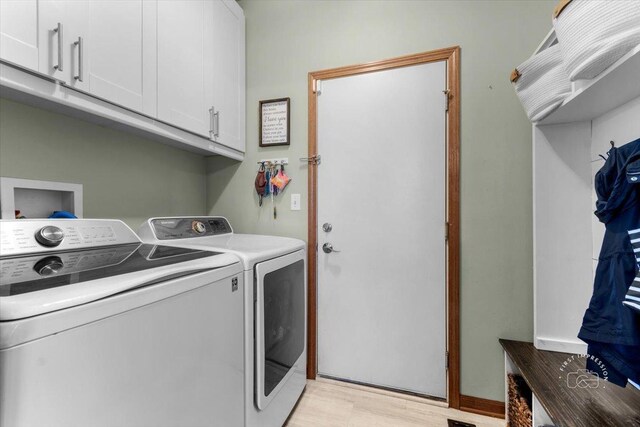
(281, 313)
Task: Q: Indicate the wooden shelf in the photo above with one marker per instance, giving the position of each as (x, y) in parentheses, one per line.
(616, 86)
(605, 405)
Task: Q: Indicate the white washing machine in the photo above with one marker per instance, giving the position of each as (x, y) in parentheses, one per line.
(98, 329)
(275, 308)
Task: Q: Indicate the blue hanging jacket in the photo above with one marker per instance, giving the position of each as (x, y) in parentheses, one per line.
(611, 329)
(632, 300)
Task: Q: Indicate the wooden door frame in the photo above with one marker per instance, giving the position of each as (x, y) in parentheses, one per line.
(452, 57)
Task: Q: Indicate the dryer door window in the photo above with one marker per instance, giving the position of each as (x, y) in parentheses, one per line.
(280, 323)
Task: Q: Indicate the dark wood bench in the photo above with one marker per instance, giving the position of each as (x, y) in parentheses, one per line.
(552, 377)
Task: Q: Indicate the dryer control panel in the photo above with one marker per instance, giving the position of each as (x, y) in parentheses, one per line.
(188, 227)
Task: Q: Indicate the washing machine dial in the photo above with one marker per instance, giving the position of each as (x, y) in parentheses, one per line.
(49, 236)
(48, 266)
(198, 227)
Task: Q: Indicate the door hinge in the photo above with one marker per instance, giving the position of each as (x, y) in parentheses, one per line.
(447, 96)
(446, 231)
(446, 361)
(317, 87)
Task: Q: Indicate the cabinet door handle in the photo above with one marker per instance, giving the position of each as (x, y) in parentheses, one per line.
(79, 45)
(58, 30)
(216, 122)
(211, 122)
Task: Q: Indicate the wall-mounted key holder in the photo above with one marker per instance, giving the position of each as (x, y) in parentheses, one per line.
(271, 180)
(281, 161)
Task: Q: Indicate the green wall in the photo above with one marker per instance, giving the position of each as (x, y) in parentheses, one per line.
(123, 176)
(287, 39)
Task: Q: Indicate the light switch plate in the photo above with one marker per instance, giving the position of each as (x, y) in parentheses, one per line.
(295, 202)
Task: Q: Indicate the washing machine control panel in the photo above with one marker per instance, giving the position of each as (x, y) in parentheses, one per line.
(185, 228)
(24, 236)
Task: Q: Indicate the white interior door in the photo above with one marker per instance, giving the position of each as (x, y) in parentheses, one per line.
(381, 186)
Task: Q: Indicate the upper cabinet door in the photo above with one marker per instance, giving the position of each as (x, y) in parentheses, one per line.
(229, 74)
(185, 64)
(19, 32)
(120, 52)
(106, 48)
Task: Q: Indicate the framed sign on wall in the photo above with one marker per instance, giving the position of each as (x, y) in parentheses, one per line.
(274, 122)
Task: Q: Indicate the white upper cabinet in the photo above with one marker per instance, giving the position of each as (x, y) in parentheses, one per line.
(229, 74)
(185, 64)
(19, 32)
(39, 35)
(181, 63)
(120, 52)
(201, 69)
(106, 48)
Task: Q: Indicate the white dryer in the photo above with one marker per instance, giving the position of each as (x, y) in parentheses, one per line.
(275, 308)
(99, 329)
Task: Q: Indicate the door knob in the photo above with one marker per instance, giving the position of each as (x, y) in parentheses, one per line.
(326, 227)
(328, 248)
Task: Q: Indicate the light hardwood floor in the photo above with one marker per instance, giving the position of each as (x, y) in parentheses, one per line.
(327, 404)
